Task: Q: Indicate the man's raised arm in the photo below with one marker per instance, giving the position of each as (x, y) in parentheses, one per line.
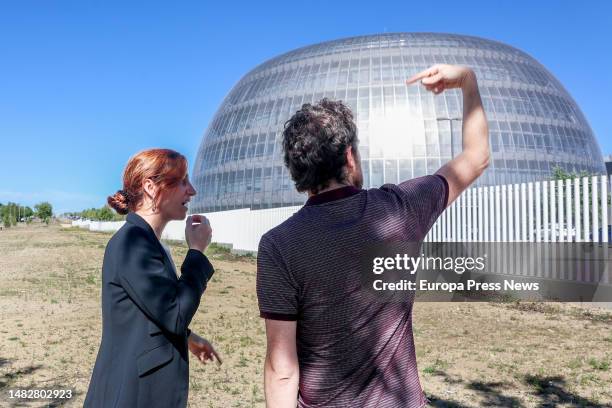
(464, 169)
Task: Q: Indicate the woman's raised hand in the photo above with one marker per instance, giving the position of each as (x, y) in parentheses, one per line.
(198, 232)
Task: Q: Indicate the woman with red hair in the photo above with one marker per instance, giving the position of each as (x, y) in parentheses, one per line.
(146, 308)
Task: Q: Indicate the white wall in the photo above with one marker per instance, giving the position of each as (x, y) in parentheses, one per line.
(241, 228)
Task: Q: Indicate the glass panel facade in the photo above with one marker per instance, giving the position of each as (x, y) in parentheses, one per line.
(404, 132)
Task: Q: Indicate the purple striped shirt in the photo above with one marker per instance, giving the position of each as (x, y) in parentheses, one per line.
(352, 352)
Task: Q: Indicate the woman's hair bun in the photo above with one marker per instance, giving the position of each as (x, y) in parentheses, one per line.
(119, 201)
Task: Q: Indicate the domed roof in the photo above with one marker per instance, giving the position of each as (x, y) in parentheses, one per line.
(404, 132)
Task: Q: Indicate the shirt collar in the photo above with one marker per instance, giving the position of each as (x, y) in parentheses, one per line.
(332, 195)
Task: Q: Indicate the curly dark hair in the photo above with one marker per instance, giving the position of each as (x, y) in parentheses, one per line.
(315, 140)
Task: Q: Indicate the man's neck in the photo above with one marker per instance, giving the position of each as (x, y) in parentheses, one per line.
(332, 186)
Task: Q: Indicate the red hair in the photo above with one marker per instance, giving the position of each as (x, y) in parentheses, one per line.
(165, 167)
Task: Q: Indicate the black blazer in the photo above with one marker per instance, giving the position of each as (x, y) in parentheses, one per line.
(146, 310)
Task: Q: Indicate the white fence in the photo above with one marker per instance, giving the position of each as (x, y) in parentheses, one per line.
(546, 211)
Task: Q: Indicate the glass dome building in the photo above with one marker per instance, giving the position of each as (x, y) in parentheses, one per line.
(404, 132)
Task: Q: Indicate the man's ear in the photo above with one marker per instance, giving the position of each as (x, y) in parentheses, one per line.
(351, 160)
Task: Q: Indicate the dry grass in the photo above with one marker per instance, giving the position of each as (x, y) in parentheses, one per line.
(475, 354)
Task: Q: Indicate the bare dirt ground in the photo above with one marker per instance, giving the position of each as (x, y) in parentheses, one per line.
(470, 355)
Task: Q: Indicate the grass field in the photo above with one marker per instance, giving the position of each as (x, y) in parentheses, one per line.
(469, 355)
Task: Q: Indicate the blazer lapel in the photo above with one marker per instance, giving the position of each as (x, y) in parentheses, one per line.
(137, 220)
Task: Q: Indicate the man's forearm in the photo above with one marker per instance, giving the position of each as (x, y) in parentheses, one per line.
(464, 169)
(475, 127)
(281, 387)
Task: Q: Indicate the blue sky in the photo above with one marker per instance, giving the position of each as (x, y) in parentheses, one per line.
(84, 85)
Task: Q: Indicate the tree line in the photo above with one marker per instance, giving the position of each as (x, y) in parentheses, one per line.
(104, 213)
(12, 213)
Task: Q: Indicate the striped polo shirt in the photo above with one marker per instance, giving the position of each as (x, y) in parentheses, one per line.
(352, 351)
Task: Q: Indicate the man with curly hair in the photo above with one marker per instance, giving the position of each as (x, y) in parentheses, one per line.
(328, 344)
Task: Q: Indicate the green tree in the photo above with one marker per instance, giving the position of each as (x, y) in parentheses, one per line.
(27, 212)
(106, 214)
(10, 213)
(560, 174)
(44, 211)
(6, 220)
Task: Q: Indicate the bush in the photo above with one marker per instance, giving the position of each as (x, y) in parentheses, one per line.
(6, 220)
(44, 211)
